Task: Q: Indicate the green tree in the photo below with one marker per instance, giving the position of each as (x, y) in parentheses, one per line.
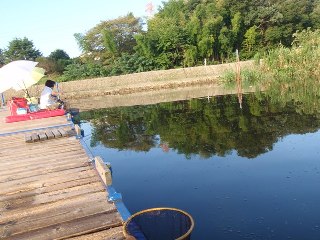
(21, 49)
(226, 40)
(166, 40)
(55, 63)
(109, 43)
(59, 54)
(193, 28)
(107, 40)
(133, 63)
(251, 41)
(237, 29)
(190, 56)
(81, 41)
(296, 16)
(183, 33)
(48, 64)
(314, 15)
(78, 70)
(2, 57)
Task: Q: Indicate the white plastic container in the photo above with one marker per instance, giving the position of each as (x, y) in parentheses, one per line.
(21, 111)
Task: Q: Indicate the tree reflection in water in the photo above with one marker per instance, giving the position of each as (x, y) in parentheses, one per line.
(199, 126)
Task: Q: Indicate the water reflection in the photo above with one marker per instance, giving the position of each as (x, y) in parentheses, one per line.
(274, 195)
(200, 126)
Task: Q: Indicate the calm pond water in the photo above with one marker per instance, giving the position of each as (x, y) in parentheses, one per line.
(250, 173)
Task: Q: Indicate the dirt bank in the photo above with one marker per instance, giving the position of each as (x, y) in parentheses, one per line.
(143, 88)
(140, 82)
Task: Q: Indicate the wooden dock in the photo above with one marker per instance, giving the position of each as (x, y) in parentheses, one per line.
(49, 189)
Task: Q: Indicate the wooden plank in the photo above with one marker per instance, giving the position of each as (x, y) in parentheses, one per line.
(8, 213)
(35, 137)
(6, 164)
(70, 157)
(62, 132)
(52, 151)
(50, 157)
(25, 184)
(48, 189)
(36, 123)
(30, 166)
(49, 134)
(20, 138)
(71, 132)
(56, 133)
(27, 203)
(41, 171)
(103, 171)
(8, 147)
(76, 227)
(28, 152)
(63, 160)
(39, 209)
(113, 233)
(28, 138)
(60, 214)
(42, 136)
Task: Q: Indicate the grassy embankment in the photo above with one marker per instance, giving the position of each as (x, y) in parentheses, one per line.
(289, 74)
(141, 82)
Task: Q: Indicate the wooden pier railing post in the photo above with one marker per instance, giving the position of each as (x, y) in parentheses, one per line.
(103, 170)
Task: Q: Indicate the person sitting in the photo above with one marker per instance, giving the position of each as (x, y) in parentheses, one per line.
(50, 99)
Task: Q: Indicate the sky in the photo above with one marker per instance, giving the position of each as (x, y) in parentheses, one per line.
(50, 24)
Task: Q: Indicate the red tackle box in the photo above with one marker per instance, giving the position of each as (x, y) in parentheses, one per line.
(16, 103)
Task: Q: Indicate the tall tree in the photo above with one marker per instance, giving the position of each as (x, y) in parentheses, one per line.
(183, 33)
(237, 29)
(226, 39)
(167, 40)
(59, 54)
(251, 41)
(111, 38)
(21, 49)
(56, 62)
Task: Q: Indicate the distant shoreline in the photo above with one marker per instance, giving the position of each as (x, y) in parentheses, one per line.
(145, 83)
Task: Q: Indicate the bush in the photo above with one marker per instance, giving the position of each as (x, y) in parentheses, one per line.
(229, 79)
(292, 74)
(82, 71)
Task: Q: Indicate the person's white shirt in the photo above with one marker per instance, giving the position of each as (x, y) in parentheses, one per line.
(45, 99)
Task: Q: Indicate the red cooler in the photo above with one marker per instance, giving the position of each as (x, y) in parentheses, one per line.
(16, 103)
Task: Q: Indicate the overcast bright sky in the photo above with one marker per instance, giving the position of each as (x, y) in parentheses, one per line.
(50, 24)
